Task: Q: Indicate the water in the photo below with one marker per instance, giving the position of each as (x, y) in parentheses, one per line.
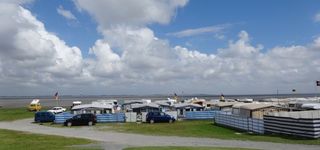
(66, 100)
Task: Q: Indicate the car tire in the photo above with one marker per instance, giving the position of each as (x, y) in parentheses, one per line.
(69, 124)
(90, 123)
(151, 121)
(170, 121)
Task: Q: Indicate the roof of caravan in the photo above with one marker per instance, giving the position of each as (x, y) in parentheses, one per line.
(311, 114)
(83, 106)
(153, 105)
(238, 105)
(128, 102)
(182, 105)
(225, 104)
(254, 106)
(162, 103)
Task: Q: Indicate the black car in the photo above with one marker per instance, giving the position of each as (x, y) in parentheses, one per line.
(81, 119)
(153, 117)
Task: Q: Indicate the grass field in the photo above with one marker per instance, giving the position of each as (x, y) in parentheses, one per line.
(183, 148)
(10, 114)
(22, 140)
(200, 129)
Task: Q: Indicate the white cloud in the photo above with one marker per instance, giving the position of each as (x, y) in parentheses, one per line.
(66, 13)
(130, 59)
(132, 12)
(30, 55)
(142, 58)
(202, 30)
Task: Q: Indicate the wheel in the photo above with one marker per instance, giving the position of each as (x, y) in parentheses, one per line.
(170, 121)
(69, 124)
(90, 123)
(151, 121)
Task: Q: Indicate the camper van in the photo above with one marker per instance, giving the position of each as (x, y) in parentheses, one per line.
(35, 105)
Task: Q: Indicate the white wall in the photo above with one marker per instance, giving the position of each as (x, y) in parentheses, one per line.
(131, 116)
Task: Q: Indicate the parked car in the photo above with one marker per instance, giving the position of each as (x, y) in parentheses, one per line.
(81, 119)
(42, 116)
(34, 105)
(153, 117)
(57, 110)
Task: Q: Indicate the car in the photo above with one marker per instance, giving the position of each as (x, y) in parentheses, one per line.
(153, 117)
(57, 110)
(42, 116)
(81, 119)
(34, 105)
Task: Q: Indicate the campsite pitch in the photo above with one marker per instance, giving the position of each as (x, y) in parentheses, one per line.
(199, 128)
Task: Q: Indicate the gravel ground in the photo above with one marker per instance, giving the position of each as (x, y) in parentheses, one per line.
(117, 141)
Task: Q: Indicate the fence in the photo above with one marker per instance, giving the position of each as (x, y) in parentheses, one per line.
(62, 117)
(234, 121)
(198, 115)
(117, 117)
(101, 118)
(309, 128)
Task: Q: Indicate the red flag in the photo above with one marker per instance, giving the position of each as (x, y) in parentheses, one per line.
(56, 96)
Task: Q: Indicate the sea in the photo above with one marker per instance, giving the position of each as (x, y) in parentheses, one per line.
(66, 100)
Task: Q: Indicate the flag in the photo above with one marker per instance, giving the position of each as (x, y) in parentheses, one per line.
(56, 96)
(318, 83)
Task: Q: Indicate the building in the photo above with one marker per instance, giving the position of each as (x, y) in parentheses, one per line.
(184, 107)
(164, 105)
(253, 110)
(94, 108)
(147, 107)
(127, 105)
(223, 106)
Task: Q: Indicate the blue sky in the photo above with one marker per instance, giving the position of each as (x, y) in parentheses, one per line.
(159, 46)
(270, 23)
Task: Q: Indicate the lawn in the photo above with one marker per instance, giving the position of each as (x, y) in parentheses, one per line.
(10, 114)
(22, 140)
(200, 129)
(182, 148)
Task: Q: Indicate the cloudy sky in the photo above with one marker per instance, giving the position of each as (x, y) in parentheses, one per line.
(113, 47)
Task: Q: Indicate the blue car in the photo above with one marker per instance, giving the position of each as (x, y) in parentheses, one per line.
(44, 117)
(153, 117)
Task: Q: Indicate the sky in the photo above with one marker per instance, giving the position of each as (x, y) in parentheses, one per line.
(143, 47)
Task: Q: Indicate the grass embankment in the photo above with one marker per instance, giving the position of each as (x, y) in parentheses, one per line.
(10, 114)
(22, 140)
(183, 148)
(201, 129)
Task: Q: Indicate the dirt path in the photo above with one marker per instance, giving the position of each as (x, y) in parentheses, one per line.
(117, 141)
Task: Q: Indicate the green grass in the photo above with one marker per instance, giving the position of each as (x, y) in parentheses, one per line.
(183, 148)
(10, 114)
(22, 140)
(200, 129)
